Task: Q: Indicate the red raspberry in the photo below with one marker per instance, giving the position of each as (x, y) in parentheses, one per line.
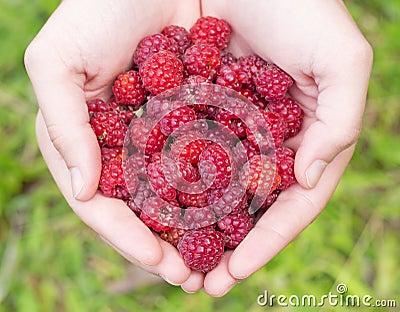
(152, 44)
(202, 60)
(112, 180)
(254, 97)
(196, 198)
(173, 235)
(176, 119)
(146, 138)
(285, 165)
(143, 192)
(189, 147)
(226, 201)
(136, 164)
(97, 105)
(108, 154)
(291, 112)
(196, 218)
(202, 249)
(179, 35)
(128, 89)
(232, 122)
(109, 128)
(272, 82)
(159, 215)
(251, 64)
(227, 58)
(212, 31)
(178, 171)
(161, 71)
(265, 121)
(158, 181)
(215, 162)
(232, 76)
(236, 226)
(259, 175)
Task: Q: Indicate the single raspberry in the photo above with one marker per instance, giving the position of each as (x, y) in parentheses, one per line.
(158, 181)
(236, 226)
(136, 164)
(111, 153)
(202, 60)
(97, 105)
(161, 71)
(146, 137)
(112, 181)
(189, 147)
(254, 97)
(194, 79)
(152, 44)
(176, 118)
(232, 122)
(251, 64)
(212, 31)
(202, 249)
(195, 198)
(227, 58)
(291, 113)
(215, 164)
(143, 192)
(178, 172)
(267, 123)
(128, 89)
(285, 165)
(179, 35)
(109, 128)
(259, 175)
(232, 76)
(272, 82)
(199, 217)
(159, 215)
(226, 201)
(173, 235)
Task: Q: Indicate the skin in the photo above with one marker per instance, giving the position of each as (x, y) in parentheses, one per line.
(86, 46)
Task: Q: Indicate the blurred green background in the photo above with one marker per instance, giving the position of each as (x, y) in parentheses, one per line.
(50, 261)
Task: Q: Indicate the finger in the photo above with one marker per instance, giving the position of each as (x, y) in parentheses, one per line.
(63, 105)
(109, 217)
(219, 281)
(341, 101)
(194, 283)
(293, 211)
(172, 267)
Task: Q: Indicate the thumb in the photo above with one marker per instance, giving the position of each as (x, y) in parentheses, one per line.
(63, 106)
(337, 123)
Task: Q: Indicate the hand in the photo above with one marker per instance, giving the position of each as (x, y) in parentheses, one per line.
(319, 45)
(74, 58)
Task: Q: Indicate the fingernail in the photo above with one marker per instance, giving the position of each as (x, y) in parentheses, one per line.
(314, 172)
(76, 181)
(168, 281)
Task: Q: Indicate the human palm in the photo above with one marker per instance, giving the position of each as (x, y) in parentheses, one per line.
(82, 48)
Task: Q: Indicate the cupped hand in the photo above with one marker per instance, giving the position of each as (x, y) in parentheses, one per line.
(74, 58)
(320, 46)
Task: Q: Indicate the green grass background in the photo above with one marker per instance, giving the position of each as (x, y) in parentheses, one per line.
(50, 261)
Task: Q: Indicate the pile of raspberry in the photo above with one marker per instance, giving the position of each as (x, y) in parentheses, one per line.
(197, 171)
